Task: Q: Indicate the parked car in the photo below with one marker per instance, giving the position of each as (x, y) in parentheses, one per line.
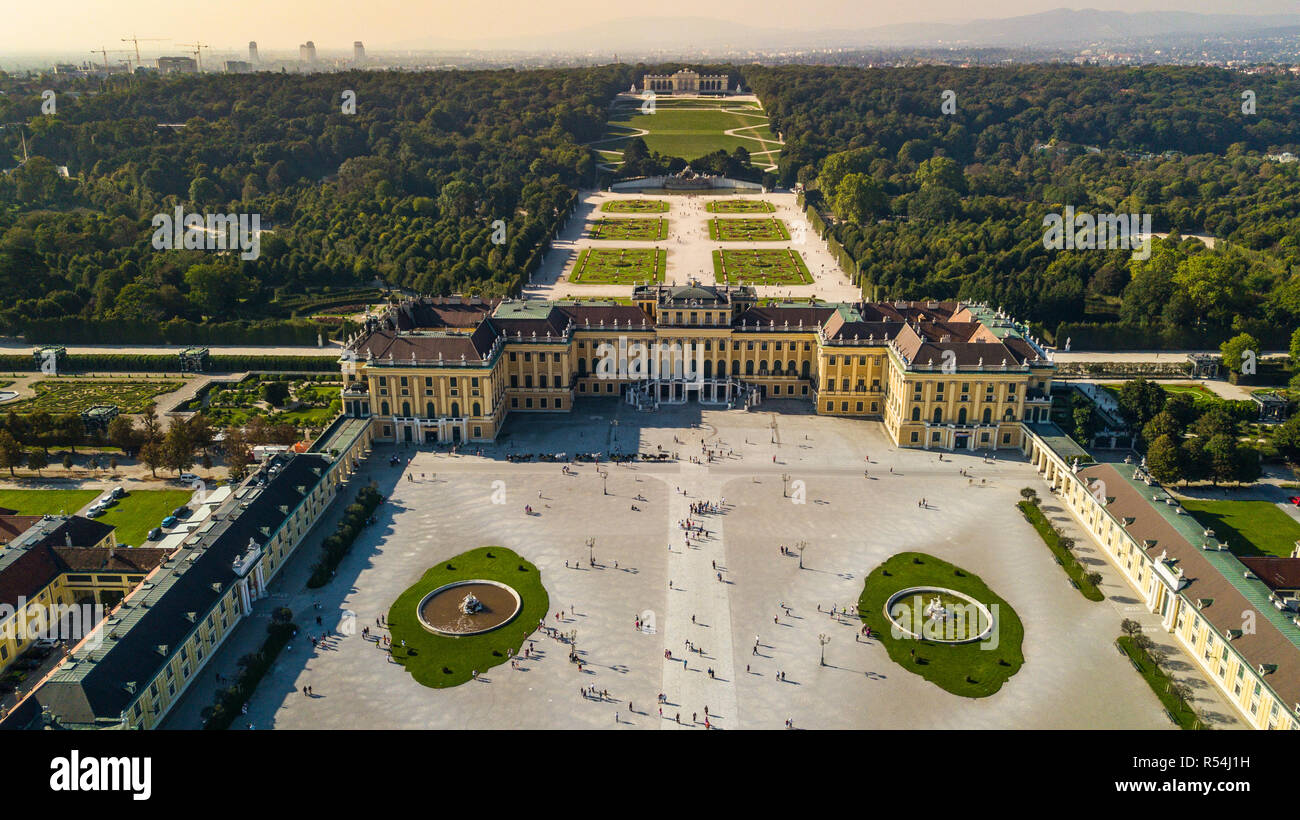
(188, 478)
(155, 534)
(169, 522)
(119, 491)
(181, 513)
(94, 512)
(1295, 499)
(46, 643)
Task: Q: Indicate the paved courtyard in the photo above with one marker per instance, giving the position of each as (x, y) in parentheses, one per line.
(1072, 678)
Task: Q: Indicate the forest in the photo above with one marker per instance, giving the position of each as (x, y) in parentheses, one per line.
(926, 201)
(951, 205)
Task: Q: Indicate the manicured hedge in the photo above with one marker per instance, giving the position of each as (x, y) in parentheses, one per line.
(170, 363)
(336, 546)
(230, 701)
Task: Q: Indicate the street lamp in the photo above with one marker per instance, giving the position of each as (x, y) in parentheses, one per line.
(591, 551)
(785, 479)
(801, 546)
(823, 639)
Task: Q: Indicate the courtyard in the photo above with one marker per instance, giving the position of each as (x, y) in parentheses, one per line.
(607, 543)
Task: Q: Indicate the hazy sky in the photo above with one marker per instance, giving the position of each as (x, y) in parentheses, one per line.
(73, 25)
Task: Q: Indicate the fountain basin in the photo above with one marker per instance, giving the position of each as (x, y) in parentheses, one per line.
(441, 613)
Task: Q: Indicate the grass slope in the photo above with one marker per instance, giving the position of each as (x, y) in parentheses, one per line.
(1249, 527)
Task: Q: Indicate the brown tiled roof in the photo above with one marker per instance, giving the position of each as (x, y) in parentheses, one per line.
(28, 574)
(1276, 573)
(1265, 645)
(11, 525)
(110, 559)
(427, 345)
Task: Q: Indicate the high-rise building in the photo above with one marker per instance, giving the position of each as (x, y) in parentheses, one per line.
(252, 51)
(358, 52)
(307, 52)
(237, 67)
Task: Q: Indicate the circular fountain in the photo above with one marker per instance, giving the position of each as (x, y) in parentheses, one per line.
(468, 608)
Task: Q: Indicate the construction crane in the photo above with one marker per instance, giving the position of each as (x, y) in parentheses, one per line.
(198, 51)
(136, 42)
(107, 51)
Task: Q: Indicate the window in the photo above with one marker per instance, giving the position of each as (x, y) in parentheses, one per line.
(915, 437)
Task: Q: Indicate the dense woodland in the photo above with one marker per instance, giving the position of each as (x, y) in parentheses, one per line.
(930, 204)
(403, 193)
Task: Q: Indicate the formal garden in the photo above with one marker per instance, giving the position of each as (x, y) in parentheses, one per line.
(760, 267)
(739, 206)
(619, 266)
(635, 206)
(304, 400)
(748, 230)
(630, 230)
(944, 624)
(439, 660)
(68, 394)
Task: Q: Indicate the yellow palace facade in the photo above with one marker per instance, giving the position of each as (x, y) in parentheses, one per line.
(939, 375)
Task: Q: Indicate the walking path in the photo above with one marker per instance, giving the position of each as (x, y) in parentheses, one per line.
(699, 606)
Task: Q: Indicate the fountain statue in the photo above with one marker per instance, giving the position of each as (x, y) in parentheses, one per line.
(936, 610)
(469, 605)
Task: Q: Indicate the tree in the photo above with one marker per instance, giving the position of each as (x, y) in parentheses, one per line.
(150, 428)
(1029, 494)
(275, 393)
(200, 431)
(178, 449)
(1130, 627)
(153, 455)
(112, 464)
(1085, 423)
(1222, 453)
(1287, 439)
(1139, 401)
(1196, 465)
(1162, 424)
(1216, 421)
(1239, 350)
(1246, 466)
(11, 451)
(37, 460)
(238, 452)
(67, 461)
(1163, 460)
(859, 198)
(70, 430)
(1295, 347)
(41, 430)
(941, 172)
(122, 434)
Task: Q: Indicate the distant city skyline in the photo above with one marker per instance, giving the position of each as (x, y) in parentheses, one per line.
(283, 25)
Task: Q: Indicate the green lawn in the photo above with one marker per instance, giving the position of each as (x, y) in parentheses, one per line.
(1248, 527)
(635, 206)
(971, 670)
(67, 395)
(760, 267)
(619, 266)
(690, 131)
(748, 230)
(640, 230)
(132, 517)
(141, 511)
(46, 502)
(1160, 684)
(740, 206)
(440, 661)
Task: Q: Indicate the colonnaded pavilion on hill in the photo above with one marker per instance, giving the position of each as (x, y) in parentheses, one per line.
(940, 375)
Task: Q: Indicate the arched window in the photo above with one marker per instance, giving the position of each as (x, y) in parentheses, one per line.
(735, 367)
(749, 367)
(938, 415)
(961, 416)
(988, 415)
(406, 409)
(477, 409)
(916, 414)
(791, 367)
(455, 409)
(428, 411)
(708, 369)
(806, 366)
(383, 408)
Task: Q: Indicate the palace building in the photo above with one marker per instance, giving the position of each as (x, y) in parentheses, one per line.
(685, 81)
(940, 375)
